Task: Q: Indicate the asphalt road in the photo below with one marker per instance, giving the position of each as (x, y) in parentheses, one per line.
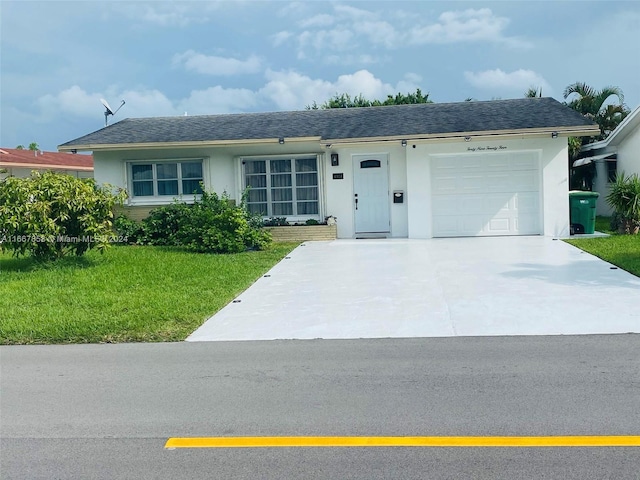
(106, 411)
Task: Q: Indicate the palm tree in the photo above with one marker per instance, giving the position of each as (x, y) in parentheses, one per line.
(610, 117)
(533, 92)
(591, 103)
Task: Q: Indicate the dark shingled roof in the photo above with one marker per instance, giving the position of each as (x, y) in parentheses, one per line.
(342, 123)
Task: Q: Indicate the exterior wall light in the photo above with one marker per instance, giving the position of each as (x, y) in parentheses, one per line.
(467, 139)
(404, 143)
(554, 134)
(281, 140)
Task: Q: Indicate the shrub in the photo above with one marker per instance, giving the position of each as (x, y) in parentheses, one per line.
(276, 222)
(624, 198)
(211, 224)
(128, 229)
(51, 215)
(162, 225)
(216, 224)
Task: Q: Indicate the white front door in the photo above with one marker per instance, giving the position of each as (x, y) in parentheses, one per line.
(371, 193)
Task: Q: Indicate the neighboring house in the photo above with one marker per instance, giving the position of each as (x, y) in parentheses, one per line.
(417, 171)
(619, 152)
(20, 163)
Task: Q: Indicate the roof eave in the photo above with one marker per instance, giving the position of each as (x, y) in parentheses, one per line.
(619, 133)
(190, 144)
(575, 131)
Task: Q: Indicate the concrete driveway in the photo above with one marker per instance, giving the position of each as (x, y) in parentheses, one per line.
(432, 288)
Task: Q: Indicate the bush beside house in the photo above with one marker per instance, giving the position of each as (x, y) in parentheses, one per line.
(51, 215)
(624, 198)
(212, 224)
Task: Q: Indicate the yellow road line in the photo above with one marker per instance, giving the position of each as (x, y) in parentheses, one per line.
(271, 442)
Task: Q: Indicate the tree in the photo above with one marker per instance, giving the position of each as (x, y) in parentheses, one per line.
(344, 100)
(610, 117)
(533, 92)
(408, 99)
(33, 146)
(591, 104)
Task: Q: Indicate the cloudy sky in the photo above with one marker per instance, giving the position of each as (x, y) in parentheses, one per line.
(167, 58)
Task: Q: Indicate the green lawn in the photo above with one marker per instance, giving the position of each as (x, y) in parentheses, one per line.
(129, 294)
(603, 225)
(620, 250)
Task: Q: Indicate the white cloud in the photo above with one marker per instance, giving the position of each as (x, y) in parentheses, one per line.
(219, 100)
(461, 26)
(279, 38)
(348, 59)
(77, 102)
(363, 82)
(409, 84)
(165, 18)
(337, 40)
(322, 20)
(350, 28)
(500, 81)
(290, 90)
(354, 13)
(378, 32)
(73, 100)
(162, 14)
(143, 102)
(214, 65)
(283, 90)
(413, 77)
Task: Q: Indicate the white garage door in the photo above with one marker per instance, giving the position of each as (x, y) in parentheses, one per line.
(486, 194)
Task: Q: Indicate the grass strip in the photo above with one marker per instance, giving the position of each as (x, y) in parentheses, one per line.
(620, 250)
(129, 294)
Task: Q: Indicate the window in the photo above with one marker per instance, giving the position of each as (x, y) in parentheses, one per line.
(370, 164)
(282, 187)
(166, 178)
(612, 170)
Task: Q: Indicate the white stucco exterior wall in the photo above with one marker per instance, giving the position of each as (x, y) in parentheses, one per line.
(628, 161)
(555, 185)
(218, 168)
(601, 185)
(629, 153)
(340, 193)
(409, 171)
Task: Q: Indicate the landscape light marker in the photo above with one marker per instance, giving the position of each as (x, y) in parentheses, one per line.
(495, 442)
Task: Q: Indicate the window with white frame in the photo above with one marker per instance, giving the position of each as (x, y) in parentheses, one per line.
(282, 186)
(171, 178)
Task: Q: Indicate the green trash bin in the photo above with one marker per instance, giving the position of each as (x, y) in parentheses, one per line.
(582, 211)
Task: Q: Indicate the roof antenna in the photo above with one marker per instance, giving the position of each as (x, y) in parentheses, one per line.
(109, 111)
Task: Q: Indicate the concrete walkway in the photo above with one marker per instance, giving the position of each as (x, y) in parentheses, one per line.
(432, 288)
